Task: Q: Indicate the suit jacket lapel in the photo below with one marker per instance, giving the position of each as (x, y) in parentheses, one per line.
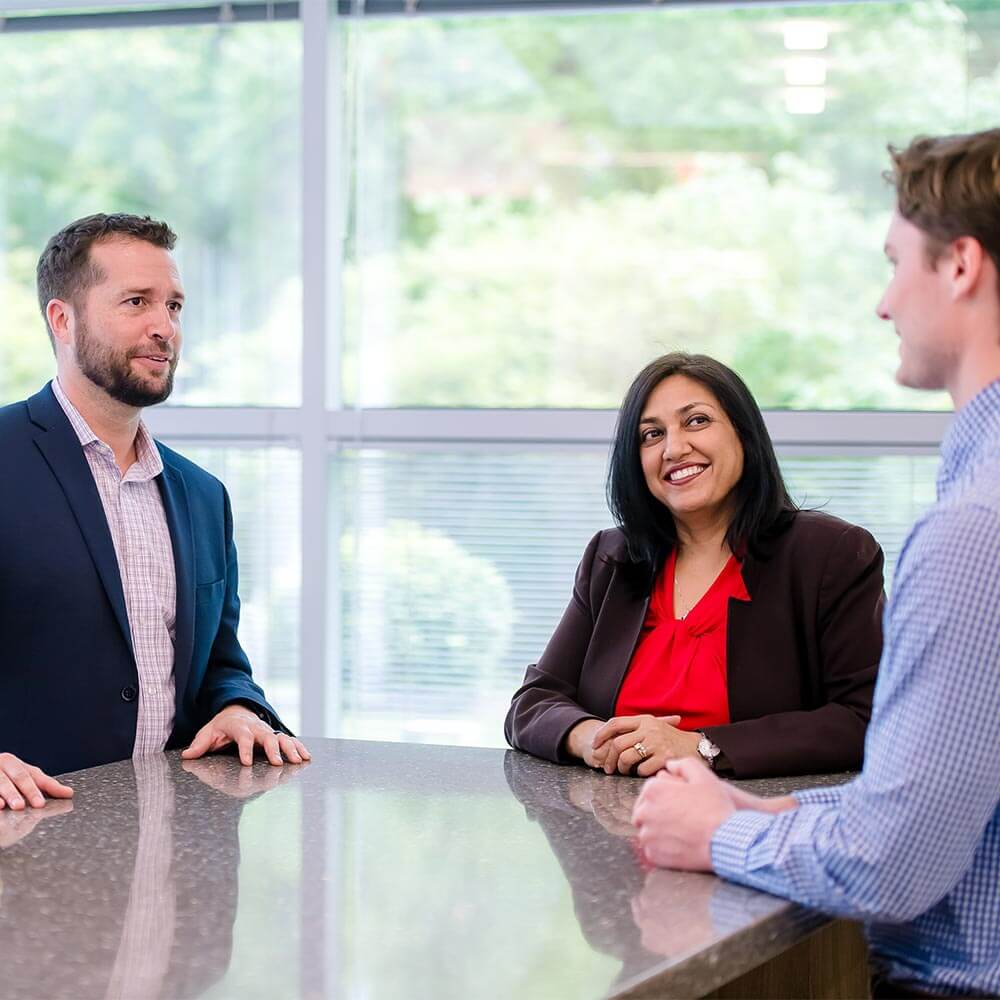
(178, 513)
(613, 642)
(61, 449)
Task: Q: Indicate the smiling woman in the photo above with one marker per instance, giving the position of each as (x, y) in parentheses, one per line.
(716, 621)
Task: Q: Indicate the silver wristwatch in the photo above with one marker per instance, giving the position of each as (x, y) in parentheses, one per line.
(708, 751)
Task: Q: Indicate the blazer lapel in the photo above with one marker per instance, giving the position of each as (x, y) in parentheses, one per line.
(743, 663)
(178, 513)
(613, 642)
(61, 449)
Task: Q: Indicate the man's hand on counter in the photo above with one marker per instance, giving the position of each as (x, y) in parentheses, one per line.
(678, 812)
(680, 809)
(24, 784)
(236, 724)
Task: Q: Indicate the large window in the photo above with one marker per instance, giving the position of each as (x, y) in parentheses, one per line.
(425, 255)
(197, 125)
(542, 204)
(456, 564)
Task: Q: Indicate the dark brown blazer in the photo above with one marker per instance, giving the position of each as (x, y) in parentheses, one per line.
(801, 654)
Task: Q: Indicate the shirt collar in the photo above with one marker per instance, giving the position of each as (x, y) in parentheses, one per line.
(148, 464)
(973, 436)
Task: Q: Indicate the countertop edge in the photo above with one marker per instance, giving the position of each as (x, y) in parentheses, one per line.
(707, 969)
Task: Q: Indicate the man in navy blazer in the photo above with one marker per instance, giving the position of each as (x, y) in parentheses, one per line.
(96, 667)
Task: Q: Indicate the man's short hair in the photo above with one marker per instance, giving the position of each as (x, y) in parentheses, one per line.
(949, 186)
(65, 269)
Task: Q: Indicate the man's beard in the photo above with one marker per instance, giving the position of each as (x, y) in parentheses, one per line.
(112, 370)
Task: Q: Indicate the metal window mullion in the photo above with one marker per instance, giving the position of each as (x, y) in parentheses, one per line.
(357, 9)
(175, 17)
(312, 628)
(870, 431)
(338, 172)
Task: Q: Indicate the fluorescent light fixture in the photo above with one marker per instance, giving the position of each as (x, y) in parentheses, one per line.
(805, 36)
(805, 71)
(805, 100)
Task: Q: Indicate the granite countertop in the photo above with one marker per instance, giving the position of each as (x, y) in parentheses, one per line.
(377, 870)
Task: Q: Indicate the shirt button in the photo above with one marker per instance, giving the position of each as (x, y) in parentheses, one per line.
(129, 693)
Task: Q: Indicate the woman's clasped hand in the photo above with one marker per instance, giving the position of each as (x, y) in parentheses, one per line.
(638, 744)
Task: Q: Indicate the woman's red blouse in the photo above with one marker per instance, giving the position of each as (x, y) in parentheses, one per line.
(679, 665)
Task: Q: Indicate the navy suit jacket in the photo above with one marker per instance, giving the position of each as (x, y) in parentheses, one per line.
(68, 678)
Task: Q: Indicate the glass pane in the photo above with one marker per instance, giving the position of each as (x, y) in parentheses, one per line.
(453, 567)
(541, 205)
(203, 131)
(264, 487)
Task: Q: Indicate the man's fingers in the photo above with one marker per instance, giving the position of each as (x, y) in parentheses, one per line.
(692, 771)
(245, 742)
(661, 784)
(291, 748)
(51, 787)
(18, 785)
(9, 793)
(272, 748)
(25, 782)
(302, 749)
(639, 811)
(651, 791)
(200, 745)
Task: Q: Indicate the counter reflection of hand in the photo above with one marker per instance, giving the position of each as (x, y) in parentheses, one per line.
(15, 826)
(672, 912)
(227, 775)
(610, 801)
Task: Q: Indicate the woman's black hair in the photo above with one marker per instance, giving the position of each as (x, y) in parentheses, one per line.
(763, 506)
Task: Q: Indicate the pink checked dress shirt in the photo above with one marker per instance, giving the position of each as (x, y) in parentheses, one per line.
(138, 524)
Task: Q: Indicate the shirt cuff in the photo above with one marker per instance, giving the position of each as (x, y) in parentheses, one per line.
(732, 841)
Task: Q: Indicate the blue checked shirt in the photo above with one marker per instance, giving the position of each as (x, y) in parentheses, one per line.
(912, 845)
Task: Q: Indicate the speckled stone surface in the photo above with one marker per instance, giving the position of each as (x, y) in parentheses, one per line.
(378, 870)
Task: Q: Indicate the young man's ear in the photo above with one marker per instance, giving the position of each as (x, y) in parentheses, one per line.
(59, 315)
(964, 260)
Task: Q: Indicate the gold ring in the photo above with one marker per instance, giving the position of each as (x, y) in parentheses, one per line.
(641, 751)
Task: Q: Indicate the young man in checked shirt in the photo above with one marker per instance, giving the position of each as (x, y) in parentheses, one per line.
(118, 589)
(912, 845)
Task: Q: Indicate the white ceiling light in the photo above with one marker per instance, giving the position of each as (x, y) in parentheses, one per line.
(805, 36)
(805, 100)
(805, 71)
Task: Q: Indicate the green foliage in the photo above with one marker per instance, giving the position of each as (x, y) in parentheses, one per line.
(580, 193)
(195, 125)
(436, 619)
(564, 305)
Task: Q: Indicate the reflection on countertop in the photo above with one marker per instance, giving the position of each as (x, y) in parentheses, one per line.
(627, 907)
(111, 893)
(377, 870)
